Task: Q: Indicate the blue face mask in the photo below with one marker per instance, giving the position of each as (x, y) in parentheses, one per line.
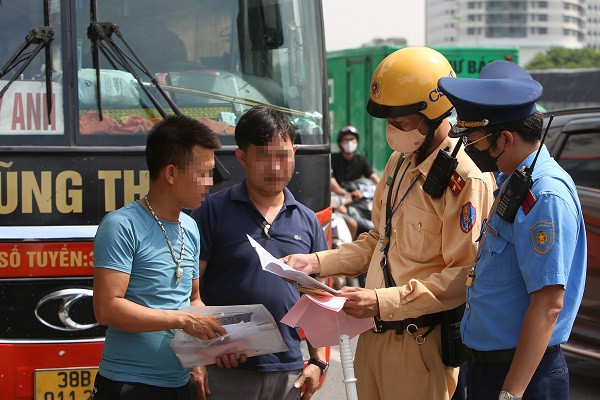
(482, 158)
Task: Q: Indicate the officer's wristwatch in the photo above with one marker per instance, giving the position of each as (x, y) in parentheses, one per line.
(323, 366)
(504, 395)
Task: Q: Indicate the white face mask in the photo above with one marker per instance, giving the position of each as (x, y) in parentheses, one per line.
(403, 141)
(350, 147)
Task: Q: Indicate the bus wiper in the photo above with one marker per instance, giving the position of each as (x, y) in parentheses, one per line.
(240, 100)
(41, 36)
(100, 33)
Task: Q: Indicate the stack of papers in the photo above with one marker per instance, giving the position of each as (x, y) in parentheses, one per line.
(251, 330)
(322, 321)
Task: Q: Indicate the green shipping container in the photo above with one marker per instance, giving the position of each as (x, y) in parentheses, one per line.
(349, 77)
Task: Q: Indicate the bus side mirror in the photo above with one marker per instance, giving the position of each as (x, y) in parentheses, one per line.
(267, 31)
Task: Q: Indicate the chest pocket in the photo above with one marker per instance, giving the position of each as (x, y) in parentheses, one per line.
(498, 261)
(420, 237)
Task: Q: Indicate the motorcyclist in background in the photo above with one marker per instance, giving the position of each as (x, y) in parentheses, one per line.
(347, 169)
(353, 185)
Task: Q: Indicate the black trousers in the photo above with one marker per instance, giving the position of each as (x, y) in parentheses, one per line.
(106, 389)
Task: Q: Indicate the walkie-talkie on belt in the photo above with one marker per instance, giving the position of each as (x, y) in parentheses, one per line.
(441, 171)
(517, 187)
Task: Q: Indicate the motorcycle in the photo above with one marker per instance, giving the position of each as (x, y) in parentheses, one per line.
(359, 210)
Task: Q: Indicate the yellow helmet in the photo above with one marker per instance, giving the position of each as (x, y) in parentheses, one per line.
(406, 82)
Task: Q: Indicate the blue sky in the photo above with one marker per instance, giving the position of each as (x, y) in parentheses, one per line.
(350, 23)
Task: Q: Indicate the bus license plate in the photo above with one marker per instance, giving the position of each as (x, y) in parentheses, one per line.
(64, 384)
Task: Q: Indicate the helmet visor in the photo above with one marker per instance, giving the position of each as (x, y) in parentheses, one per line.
(382, 111)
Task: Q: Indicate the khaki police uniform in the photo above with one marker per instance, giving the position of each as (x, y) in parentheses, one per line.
(431, 246)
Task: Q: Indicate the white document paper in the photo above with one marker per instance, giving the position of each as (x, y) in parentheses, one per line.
(274, 266)
(251, 330)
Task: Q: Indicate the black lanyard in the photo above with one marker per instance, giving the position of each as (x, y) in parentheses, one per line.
(389, 212)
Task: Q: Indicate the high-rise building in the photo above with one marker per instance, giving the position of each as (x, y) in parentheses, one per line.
(593, 24)
(533, 25)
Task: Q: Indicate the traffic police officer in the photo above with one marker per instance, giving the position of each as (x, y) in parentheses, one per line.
(527, 284)
(417, 256)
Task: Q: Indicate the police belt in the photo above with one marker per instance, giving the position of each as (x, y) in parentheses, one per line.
(427, 320)
(497, 356)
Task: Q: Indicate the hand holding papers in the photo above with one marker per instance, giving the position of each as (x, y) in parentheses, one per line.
(322, 321)
(273, 265)
(251, 330)
(319, 316)
(325, 325)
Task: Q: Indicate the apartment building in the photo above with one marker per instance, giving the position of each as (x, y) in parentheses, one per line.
(533, 25)
(593, 24)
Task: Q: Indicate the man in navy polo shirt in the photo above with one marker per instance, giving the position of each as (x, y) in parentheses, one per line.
(527, 282)
(230, 271)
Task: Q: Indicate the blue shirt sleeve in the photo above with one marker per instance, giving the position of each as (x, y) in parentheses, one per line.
(547, 239)
(114, 244)
(195, 236)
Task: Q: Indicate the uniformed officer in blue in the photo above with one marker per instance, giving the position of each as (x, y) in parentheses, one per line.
(527, 283)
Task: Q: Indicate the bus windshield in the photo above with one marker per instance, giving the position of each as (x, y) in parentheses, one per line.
(212, 66)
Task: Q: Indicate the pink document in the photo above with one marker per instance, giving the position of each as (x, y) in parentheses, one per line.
(323, 321)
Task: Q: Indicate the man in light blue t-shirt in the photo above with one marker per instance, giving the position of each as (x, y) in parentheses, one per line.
(146, 258)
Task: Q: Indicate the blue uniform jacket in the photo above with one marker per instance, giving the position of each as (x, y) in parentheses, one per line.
(546, 246)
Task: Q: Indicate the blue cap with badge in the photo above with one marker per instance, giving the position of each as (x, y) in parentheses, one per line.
(503, 92)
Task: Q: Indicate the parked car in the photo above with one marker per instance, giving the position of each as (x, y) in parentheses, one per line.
(574, 142)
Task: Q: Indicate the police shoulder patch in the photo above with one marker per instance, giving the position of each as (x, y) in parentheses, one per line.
(456, 183)
(542, 236)
(468, 216)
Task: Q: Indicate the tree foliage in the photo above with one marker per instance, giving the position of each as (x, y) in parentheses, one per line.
(561, 57)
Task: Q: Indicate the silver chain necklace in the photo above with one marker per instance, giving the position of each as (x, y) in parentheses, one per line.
(179, 270)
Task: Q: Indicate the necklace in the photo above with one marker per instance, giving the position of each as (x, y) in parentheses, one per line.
(178, 270)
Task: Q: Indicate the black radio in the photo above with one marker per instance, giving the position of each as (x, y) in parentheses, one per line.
(441, 171)
(517, 187)
(514, 193)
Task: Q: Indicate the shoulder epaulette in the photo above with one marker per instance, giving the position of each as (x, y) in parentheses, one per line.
(528, 202)
(456, 183)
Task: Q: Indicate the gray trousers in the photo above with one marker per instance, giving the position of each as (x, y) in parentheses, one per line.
(235, 383)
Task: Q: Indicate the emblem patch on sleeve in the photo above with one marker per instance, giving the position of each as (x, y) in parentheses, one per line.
(467, 217)
(542, 236)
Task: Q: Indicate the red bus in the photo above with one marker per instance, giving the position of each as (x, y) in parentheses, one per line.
(110, 69)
